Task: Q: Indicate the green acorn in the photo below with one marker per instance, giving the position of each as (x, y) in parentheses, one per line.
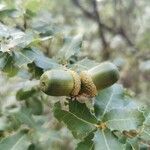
(98, 78)
(60, 82)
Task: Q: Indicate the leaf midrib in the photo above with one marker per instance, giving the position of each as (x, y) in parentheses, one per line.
(17, 142)
(107, 146)
(120, 119)
(105, 110)
(80, 119)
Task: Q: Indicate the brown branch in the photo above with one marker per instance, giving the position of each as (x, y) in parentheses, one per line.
(106, 52)
(90, 15)
(94, 15)
(122, 32)
(98, 20)
(86, 12)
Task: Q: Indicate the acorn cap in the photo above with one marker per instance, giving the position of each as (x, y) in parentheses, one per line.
(60, 82)
(98, 78)
(77, 83)
(87, 85)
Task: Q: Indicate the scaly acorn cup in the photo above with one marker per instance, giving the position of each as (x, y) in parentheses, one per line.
(98, 78)
(60, 82)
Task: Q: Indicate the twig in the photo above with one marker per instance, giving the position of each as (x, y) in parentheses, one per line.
(103, 25)
(106, 52)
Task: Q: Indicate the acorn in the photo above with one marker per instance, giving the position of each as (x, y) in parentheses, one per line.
(98, 78)
(60, 82)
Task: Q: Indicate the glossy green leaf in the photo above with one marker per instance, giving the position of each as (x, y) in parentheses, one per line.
(145, 129)
(18, 141)
(12, 38)
(7, 64)
(111, 98)
(85, 64)
(79, 125)
(105, 140)
(29, 55)
(71, 47)
(123, 119)
(24, 117)
(7, 12)
(43, 24)
(132, 144)
(82, 111)
(3, 123)
(87, 143)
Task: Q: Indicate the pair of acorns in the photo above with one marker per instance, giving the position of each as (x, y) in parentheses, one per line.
(66, 82)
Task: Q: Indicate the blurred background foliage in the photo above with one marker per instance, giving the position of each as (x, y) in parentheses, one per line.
(114, 30)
